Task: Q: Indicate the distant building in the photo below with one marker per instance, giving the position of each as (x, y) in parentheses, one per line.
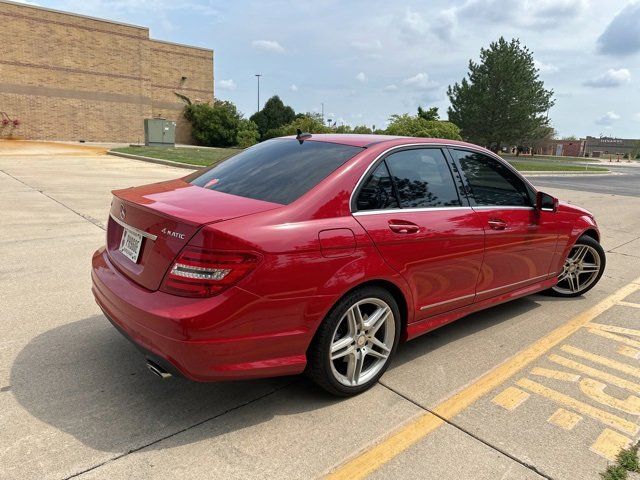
(69, 77)
(565, 148)
(604, 146)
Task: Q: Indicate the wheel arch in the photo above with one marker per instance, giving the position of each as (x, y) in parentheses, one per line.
(591, 232)
(392, 288)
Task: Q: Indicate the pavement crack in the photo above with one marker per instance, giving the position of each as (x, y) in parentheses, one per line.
(611, 250)
(182, 430)
(527, 465)
(88, 218)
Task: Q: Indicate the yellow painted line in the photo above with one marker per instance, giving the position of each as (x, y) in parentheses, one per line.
(564, 419)
(613, 336)
(555, 374)
(607, 418)
(609, 444)
(595, 390)
(607, 362)
(629, 304)
(629, 351)
(510, 398)
(595, 373)
(612, 328)
(373, 458)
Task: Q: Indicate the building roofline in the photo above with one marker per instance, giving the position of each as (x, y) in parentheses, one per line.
(177, 44)
(104, 20)
(72, 14)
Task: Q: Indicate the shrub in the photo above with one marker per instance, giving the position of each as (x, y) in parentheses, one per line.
(248, 133)
(214, 125)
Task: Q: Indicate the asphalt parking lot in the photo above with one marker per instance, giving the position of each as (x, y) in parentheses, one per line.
(536, 388)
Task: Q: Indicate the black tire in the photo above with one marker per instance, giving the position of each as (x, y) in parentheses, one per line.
(596, 249)
(319, 363)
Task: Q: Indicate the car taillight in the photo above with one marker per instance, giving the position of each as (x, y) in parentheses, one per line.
(199, 272)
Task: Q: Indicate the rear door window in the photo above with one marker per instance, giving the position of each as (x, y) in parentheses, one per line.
(422, 178)
(278, 171)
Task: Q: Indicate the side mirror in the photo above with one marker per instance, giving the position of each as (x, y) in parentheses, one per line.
(546, 202)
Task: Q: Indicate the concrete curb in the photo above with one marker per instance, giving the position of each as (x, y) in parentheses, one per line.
(556, 173)
(155, 160)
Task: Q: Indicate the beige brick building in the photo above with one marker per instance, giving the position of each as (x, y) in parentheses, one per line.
(71, 77)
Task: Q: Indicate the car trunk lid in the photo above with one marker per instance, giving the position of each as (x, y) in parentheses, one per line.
(163, 217)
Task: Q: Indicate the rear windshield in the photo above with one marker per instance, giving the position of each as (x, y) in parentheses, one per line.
(278, 171)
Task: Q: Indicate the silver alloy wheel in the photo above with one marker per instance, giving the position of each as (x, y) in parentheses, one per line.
(580, 270)
(362, 342)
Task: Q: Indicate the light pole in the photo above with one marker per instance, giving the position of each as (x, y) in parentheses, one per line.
(322, 112)
(258, 75)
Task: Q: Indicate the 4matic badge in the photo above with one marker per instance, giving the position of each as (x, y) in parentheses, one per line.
(170, 233)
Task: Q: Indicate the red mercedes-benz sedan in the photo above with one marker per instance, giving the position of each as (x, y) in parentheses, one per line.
(323, 252)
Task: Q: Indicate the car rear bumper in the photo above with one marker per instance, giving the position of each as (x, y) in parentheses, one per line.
(207, 339)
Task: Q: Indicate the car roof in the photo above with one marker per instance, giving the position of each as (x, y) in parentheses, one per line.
(357, 140)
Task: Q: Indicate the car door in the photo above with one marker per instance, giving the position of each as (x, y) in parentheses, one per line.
(411, 207)
(520, 241)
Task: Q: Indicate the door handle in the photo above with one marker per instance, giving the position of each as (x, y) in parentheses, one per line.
(402, 226)
(497, 224)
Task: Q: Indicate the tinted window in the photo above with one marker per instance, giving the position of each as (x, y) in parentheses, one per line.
(377, 193)
(491, 182)
(276, 171)
(422, 179)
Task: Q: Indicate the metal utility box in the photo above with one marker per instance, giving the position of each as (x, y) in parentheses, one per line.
(159, 132)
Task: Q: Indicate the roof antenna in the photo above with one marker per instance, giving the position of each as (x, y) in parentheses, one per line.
(302, 136)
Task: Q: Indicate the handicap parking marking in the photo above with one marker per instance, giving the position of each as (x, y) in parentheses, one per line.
(618, 430)
(594, 402)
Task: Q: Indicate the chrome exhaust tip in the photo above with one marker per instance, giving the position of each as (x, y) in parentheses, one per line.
(157, 370)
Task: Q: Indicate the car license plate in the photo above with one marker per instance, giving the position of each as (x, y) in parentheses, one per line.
(130, 244)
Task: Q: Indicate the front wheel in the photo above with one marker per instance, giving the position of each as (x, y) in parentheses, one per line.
(355, 342)
(581, 270)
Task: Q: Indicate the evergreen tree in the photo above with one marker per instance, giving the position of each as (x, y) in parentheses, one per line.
(502, 101)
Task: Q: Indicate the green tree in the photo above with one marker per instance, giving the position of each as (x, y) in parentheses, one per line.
(430, 114)
(362, 129)
(214, 125)
(308, 123)
(343, 129)
(273, 115)
(410, 126)
(502, 100)
(247, 133)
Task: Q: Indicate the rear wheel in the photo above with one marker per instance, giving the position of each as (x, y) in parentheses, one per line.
(581, 270)
(355, 342)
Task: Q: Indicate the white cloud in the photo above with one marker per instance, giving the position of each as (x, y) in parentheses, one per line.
(545, 67)
(267, 46)
(361, 77)
(226, 84)
(414, 22)
(611, 78)
(608, 118)
(391, 88)
(420, 81)
(293, 87)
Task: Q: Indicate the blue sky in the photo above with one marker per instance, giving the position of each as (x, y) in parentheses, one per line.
(368, 59)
